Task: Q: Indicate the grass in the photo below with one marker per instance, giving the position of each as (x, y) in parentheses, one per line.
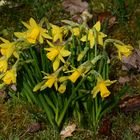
(18, 116)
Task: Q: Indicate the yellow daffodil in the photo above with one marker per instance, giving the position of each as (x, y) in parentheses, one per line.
(3, 64)
(35, 32)
(76, 31)
(62, 88)
(91, 37)
(58, 32)
(8, 48)
(51, 79)
(102, 87)
(123, 50)
(10, 76)
(56, 54)
(76, 74)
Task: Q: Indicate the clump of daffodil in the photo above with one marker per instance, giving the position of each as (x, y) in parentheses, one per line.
(10, 76)
(91, 37)
(3, 64)
(58, 32)
(34, 33)
(56, 54)
(101, 87)
(8, 48)
(123, 50)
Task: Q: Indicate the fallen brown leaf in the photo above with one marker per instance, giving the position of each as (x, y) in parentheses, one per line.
(75, 6)
(105, 127)
(132, 62)
(135, 128)
(130, 103)
(34, 127)
(67, 132)
(123, 80)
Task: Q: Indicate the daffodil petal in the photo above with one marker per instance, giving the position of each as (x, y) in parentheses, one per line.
(95, 91)
(50, 44)
(108, 82)
(4, 40)
(83, 38)
(26, 25)
(97, 26)
(65, 53)
(20, 35)
(56, 64)
(33, 23)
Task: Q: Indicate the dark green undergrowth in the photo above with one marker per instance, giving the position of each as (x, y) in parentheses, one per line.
(18, 121)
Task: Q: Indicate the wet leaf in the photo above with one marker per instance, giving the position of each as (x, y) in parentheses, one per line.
(75, 6)
(135, 128)
(132, 62)
(34, 127)
(123, 80)
(105, 127)
(67, 132)
(130, 103)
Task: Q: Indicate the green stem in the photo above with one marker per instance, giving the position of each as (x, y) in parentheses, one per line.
(69, 101)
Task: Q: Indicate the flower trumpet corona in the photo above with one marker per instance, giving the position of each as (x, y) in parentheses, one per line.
(62, 88)
(76, 74)
(102, 87)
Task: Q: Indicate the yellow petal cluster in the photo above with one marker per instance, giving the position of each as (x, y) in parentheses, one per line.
(8, 48)
(58, 32)
(76, 31)
(10, 77)
(102, 88)
(34, 33)
(91, 37)
(56, 54)
(123, 50)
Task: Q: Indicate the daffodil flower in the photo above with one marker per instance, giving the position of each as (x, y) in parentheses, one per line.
(76, 31)
(10, 77)
(51, 79)
(3, 64)
(102, 87)
(58, 32)
(76, 74)
(8, 48)
(35, 32)
(123, 50)
(62, 88)
(56, 54)
(91, 37)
